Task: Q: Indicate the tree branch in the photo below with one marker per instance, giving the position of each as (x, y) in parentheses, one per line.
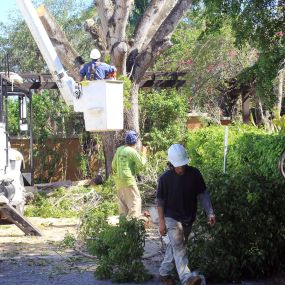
(105, 9)
(120, 20)
(160, 41)
(152, 18)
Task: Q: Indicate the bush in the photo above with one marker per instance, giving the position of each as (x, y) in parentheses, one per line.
(119, 250)
(249, 238)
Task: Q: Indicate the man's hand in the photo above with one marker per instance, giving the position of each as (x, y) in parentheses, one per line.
(162, 228)
(211, 220)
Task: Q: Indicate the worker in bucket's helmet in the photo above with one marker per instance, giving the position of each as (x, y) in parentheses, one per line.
(126, 164)
(178, 190)
(96, 70)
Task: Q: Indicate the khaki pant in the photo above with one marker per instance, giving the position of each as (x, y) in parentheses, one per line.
(129, 201)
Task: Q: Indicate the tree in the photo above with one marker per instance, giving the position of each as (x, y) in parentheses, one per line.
(133, 50)
(261, 24)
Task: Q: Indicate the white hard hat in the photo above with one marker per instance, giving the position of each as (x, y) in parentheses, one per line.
(177, 155)
(95, 54)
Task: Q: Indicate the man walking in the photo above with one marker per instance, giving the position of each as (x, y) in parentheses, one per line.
(126, 164)
(177, 194)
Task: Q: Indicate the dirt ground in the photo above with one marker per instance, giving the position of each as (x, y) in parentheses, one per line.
(40, 260)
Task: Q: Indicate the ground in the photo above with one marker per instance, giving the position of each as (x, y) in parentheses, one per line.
(40, 260)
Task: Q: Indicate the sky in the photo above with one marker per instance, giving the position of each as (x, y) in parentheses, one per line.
(7, 6)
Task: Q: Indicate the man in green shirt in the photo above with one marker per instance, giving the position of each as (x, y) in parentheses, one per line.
(126, 164)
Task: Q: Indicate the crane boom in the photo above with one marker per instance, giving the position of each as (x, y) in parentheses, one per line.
(65, 83)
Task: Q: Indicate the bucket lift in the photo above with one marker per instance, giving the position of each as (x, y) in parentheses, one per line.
(101, 101)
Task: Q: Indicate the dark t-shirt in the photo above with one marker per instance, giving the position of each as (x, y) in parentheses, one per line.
(177, 194)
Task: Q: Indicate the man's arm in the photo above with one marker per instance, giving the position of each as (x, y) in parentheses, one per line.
(162, 226)
(160, 202)
(139, 159)
(205, 202)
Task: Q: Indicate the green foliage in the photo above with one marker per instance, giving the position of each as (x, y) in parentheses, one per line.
(119, 250)
(13, 116)
(279, 123)
(127, 91)
(259, 24)
(211, 61)
(162, 118)
(68, 241)
(248, 240)
(93, 219)
(250, 149)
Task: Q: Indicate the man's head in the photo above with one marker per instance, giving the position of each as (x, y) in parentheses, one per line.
(95, 54)
(178, 157)
(131, 138)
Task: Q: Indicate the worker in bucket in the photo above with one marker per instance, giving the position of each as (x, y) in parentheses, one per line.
(126, 164)
(178, 190)
(96, 70)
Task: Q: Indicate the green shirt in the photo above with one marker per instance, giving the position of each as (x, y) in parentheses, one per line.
(126, 164)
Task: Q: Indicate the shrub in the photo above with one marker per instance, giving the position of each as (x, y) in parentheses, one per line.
(249, 238)
(119, 250)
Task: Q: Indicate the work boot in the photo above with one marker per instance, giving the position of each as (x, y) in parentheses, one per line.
(167, 280)
(195, 280)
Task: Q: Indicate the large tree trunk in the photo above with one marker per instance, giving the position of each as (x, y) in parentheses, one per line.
(132, 114)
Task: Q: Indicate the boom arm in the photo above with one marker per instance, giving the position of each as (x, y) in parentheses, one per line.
(101, 101)
(65, 83)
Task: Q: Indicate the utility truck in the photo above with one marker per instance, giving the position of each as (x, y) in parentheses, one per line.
(100, 101)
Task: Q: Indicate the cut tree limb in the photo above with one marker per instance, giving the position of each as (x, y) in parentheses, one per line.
(97, 34)
(68, 56)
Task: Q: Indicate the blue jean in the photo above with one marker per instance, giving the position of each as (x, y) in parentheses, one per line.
(176, 250)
